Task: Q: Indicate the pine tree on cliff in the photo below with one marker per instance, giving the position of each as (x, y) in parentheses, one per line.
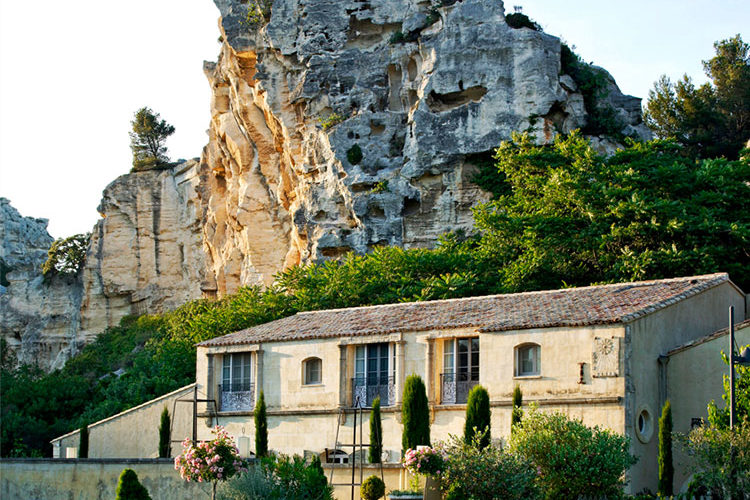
(261, 428)
(478, 416)
(415, 414)
(147, 140)
(666, 467)
(165, 448)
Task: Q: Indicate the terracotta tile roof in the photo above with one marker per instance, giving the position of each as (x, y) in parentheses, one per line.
(592, 305)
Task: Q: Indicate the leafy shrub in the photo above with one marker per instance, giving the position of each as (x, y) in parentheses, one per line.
(517, 412)
(354, 154)
(280, 478)
(485, 473)
(427, 461)
(415, 414)
(721, 458)
(257, 14)
(397, 37)
(373, 488)
(66, 255)
(331, 120)
(478, 416)
(129, 488)
(719, 417)
(380, 187)
(565, 451)
(210, 461)
(518, 20)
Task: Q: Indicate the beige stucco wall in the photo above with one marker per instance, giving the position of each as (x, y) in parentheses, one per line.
(134, 433)
(694, 377)
(50, 479)
(655, 335)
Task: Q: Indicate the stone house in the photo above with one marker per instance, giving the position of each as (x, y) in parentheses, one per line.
(598, 353)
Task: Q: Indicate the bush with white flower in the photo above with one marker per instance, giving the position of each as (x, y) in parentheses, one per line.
(210, 461)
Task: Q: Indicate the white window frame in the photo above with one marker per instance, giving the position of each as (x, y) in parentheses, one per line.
(229, 366)
(536, 359)
(306, 367)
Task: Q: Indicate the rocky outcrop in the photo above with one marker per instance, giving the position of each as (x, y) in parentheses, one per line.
(39, 318)
(415, 87)
(146, 253)
(336, 125)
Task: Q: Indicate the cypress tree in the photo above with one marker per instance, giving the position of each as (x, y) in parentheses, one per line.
(478, 416)
(261, 428)
(666, 467)
(165, 448)
(83, 443)
(415, 414)
(129, 488)
(376, 433)
(517, 413)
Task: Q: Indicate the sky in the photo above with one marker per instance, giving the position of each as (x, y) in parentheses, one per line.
(73, 73)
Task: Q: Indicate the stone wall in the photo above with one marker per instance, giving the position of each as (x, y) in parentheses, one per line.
(134, 433)
(91, 479)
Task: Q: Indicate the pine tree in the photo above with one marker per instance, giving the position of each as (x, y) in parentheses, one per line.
(83, 443)
(147, 140)
(165, 447)
(517, 413)
(129, 488)
(376, 433)
(415, 414)
(478, 416)
(666, 467)
(261, 428)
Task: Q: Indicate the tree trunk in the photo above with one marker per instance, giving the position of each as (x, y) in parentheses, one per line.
(213, 490)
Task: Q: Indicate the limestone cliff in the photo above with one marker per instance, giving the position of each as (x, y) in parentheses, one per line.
(413, 86)
(336, 125)
(146, 253)
(39, 318)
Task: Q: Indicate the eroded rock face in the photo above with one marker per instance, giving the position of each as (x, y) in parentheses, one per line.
(146, 252)
(38, 318)
(297, 99)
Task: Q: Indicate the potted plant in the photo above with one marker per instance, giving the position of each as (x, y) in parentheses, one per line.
(425, 461)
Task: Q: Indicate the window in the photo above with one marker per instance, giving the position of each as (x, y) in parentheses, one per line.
(237, 391)
(528, 360)
(313, 371)
(460, 369)
(374, 370)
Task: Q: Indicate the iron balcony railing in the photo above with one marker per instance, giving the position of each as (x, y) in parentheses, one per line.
(455, 387)
(366, 389)
(237, 397)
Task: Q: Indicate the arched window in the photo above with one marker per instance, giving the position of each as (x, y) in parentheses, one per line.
(313, 371)
(528, 360)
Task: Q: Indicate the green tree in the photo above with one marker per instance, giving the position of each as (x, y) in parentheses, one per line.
(566, 452)
(66, 255)
(478, 416)
(376, 433)
(83, 441)
(129, 488)
(719, 417)
(165, 444)
(147, 140)
(713, 119)
(261, 427)
(517, 412)
(574, 217)
(415, 414)
(666, 466)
